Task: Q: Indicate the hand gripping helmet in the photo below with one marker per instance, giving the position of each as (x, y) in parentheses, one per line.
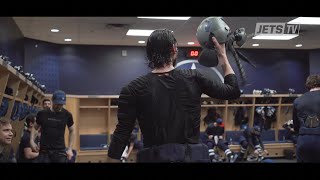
(212, 26)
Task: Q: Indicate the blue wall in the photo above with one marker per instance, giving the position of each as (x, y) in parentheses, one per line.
(99, 69)
(85, 69)
(43, 60)
(11, 41)
(314, 58)
(276, 69)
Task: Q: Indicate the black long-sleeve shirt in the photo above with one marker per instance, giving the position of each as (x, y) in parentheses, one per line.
(306, 105)
(167, 107)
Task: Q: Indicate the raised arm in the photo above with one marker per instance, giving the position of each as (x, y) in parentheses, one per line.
(227, 90)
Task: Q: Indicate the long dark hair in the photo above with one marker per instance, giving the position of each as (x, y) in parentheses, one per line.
(159, 48)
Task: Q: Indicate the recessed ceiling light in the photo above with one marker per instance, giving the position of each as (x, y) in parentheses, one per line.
(139, 32)
(67, 39)
(141, 42)
(306, 20)
(190, 43)
(276, 37)
(55, 30)
(298, 45)
(255, 44)
(168, 18)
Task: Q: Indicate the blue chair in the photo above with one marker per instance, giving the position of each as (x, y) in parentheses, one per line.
(268, 136)
(93, 141)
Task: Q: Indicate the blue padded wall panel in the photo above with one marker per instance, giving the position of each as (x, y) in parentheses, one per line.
(93, 140)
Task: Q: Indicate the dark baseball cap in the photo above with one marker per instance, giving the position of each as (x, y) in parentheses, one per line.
(59, 97)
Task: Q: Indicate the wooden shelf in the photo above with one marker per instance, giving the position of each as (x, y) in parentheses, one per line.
(20, 100)
(239, 105)
(94, 107)
(267, 104)
(114, 107)
(213, 105)
(94, 96)
(7, 96)
(286, 104)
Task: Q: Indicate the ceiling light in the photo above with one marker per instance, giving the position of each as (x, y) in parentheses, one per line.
(139, 32)
(255, 44)
(306, 20)
(298, 45)
(68, 39)
(141, 42)
(168, 18)
(276, 37)
(55, 30)
(190, 43)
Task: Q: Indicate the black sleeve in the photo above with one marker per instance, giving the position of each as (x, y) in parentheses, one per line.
(25, 141)
(126, 122)
(70, 120)
(228, 90)
(296, 123)
(39, 118)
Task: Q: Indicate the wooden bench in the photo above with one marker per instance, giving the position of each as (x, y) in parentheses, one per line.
(274, 149)
(94, 156)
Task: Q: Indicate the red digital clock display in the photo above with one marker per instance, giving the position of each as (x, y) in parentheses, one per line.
(193, 53)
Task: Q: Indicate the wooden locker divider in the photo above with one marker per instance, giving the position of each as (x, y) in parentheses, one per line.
(278, 119)
(72, 105)
(17, 124)
(35, 95)
(251, 119)
(29, 94)
(14, 84)
(4, 77)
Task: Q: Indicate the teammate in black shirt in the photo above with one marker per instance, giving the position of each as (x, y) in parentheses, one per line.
(53, 123)
(214, 132)
(252, 137)
(26, 155)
